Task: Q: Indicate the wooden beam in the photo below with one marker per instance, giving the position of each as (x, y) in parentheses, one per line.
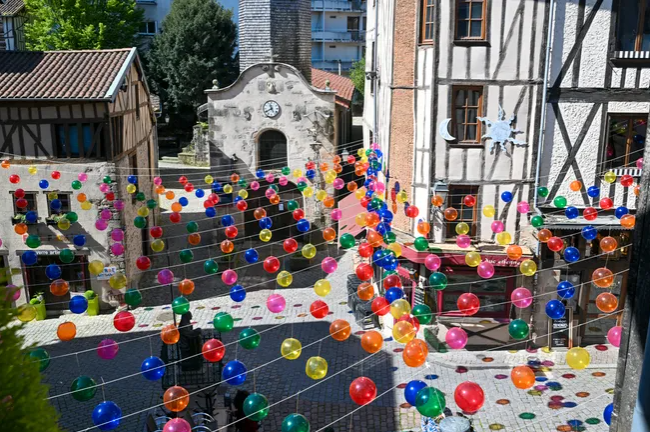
(598, 95)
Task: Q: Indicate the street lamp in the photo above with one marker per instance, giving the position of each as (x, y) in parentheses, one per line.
(441, 188)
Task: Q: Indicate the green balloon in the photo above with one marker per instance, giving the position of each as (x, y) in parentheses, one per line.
(430, 402)
(249, 338)
(537, 221)
(107, 180)
(256, 407)
(76, 184)
(438, 281)
(421, 244)
(295, 423)
(518, 329)
(375, 203)
(423, 313)
(66, 256)
(152, 204)
(83, 388)
(274, 187)
(292, 205)
(192, 227)
(33, 241)
(286, 170)
(186, 255)
(72, 217)
(223, 322)
(132, 297)
(390, 237)
(181, 305)
(140, 196)
(210, 266)
(242, 183)
(301, 186)
(559, 202)
(140, 222)
(347, 241)
(41, 356)
(542, 191)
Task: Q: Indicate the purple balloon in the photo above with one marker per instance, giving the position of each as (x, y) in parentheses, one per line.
(117, 249)
(165, 277)
(117, 235)
(101, 224)
(463, 241)
(276, 303)
(521, 297)
(497, 227)
(105, 214)
(118, 205)
(107, 349)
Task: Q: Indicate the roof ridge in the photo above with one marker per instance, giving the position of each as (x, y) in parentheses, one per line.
(67, 51)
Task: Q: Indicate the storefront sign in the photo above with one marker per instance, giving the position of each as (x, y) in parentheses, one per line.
(107, 273)
(561, 331)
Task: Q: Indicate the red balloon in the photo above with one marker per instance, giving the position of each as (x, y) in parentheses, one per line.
(124, 321)
(412, 211)
(213, 350)
(468, 304)
(319, 309)
(627, 180)
(14, 178)
(606, 203)
(213, 197)
(19, 193)
(363, 391)
(56, 175)
(290, 245)
(365, 250)
(155, 232)
(364, 271)
(271, 264)
(469, 397)
(143, 263)
(298, 214)
(590, 213)
(189, 187)
(242, 205)
(231, 231)
(110, 196)
(410, 319)
(182, 180)
(555, 244)
(208, 203)
(380, 306)
(21, 203)
(392, 281)
(174, 217)
(365, 201)
(310, 165)
(469, 200)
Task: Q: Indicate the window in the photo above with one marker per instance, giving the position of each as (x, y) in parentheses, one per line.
(144, 235)
(467, 104)
(470, 19)
(148, 28)
(272, 150)
(633, 32)
(64, 198)
(75, 273)
(30, 197)
(79, 140)
(136, 88)
(117, 131)
(625, 140)
(455, 199)
(426, 32)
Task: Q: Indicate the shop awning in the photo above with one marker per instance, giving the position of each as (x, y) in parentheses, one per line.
(350, 207)
(563, 223)
(454, 255)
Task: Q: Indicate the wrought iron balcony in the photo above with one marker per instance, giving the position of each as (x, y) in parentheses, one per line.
(352, 36)
(338, 5)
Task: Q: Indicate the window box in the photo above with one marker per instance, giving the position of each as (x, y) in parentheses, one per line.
(54, 219)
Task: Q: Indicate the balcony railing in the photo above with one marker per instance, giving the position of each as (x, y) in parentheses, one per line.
(356, 36)
(338, 5)
(332, 65)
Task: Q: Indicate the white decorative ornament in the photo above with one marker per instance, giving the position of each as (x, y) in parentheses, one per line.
(501, 131)
(443, 130)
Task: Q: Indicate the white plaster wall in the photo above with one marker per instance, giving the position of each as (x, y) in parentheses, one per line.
(336, 21)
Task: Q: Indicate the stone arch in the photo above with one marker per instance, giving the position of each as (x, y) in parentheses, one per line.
(272, 150)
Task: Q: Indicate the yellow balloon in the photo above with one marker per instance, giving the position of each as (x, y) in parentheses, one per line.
(291, 348)
(308, 251)
(52, 196)
(322, 287)
(316, 368)
(473, 259)
(462, 228)
(227, 189)
(360, 193)
(32, 169)
(331, 173)
(364, 158)
(265, 235)
(26, 312)
(360, 219)
(403, 332)
(361, 152)
(578, 358)
(329, 179)
(528, 267)
(308, 191)
(402, 197)
(243, 194)
(297, 173)
(399, 308)
(157, 245)
(117, 281)
(143, 211)
(504, 238)
(86, 205)
(489, 211)
(284, 278)
(396, 248)
(610, 177)
(95, 267)
(208, 179)
(63, 224)
(131, 188)
(321, 195)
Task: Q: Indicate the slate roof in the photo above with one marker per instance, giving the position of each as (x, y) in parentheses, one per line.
(342, 85)
(11, 7)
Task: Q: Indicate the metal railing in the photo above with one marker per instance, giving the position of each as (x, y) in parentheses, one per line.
(339, 5)
(338, 36)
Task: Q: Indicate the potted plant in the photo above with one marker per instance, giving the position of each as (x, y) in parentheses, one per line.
(54, 219)
(93, 302)
(38, 301)
(18, 218)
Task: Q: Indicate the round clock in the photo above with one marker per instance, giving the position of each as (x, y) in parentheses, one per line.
(271, 109)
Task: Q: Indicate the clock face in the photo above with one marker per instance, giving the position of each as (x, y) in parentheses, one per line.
(271, 109)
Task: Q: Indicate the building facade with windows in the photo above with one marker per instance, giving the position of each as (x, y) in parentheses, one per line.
(12, 22)
(75, 112)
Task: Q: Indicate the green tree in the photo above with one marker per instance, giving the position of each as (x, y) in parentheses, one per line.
(195, 47)
(23, 406)
(82, 24)
(358, 75)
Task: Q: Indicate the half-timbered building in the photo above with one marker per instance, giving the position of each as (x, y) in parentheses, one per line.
(76, 112)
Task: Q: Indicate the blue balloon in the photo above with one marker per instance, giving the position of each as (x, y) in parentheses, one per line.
(265, 223)
(251, 256)
(506, 196)
(132, 179)
(237, 293)
(210, 212)
(621, 211)
(607, 413)
(593, 191)
(199, 193)
(379, 154)
(555, 309)
(183, 201)
(369, 194)
(43, 184)
(234, 373)
(78, 304)
(303, 225)
(367, 183)
(216, 186)
(379, 255)
(571, 212)
(29, 257)
(382, 228)
(107, 416)
(589, 232)
(566, 290)
(53, 271)
(310, 174)
(386, 215)
(571, 254)
(237, 199)
(152, 368)
(79, 240)
(393, 294)
(227, 220)
(411, 390)
(55, 204)
(31, 217)
(390, 263)
(259, 173)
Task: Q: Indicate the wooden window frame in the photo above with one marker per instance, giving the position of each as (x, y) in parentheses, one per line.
(479, 113)
(630, 118)
(34, 199)
(97, 148)
(469, 20)
(424, 8)
(457, 190)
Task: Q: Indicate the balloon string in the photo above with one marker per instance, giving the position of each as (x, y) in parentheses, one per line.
(150, 347)
(255, 381)
(103, 392)
(320, 344)
(78, 364)
(297, 402)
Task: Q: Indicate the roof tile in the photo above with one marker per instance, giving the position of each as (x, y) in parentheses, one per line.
(342, 85)
(11, 7)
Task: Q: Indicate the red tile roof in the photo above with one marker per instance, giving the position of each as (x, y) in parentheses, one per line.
(11, 7)
(60, 75)
(342, 85)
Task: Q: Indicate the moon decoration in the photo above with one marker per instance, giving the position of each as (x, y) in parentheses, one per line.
(501, 131)
(443, 130)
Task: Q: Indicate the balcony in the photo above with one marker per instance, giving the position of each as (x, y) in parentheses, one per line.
(332, 65)
(351, 36)
(338, 5)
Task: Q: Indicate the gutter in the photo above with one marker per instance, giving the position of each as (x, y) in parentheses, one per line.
(117, 82)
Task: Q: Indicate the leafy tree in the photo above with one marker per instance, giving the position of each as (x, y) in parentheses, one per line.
(194, 48)
(22, 396)
(82, 24)
(358, 75)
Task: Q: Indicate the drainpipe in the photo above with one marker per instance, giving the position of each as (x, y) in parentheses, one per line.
(376, 76)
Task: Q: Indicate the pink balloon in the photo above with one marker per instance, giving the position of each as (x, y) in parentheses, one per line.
(104, 188)
(485, 270)
(229, 277)
(117, 235)
(13, 292)
(0, 242)
(117, 249)
(497, 227)
(82, 177)
(101, 224)
(521, 298)
(276, 303)
(337, 214)
(456, 338)
(614, 335)
(432, 262)
(380, 188)
(371, 186)
(639, 163)
(165, 277)
(107, 349)
(255, 185)
(177, 425)
(329, 265)
(284, 181)
(118, 205)
(270, 177)
(375, 146)
(269, 193)
(523, 207)
(463, 241)
(338, 183)
(105, 214)
(157, 181)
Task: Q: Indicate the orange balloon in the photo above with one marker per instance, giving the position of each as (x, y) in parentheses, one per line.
(359, 171)
(59, 287)
(328, 202)
(437, 201)
(170, 334)
(365, 291)
(602, 277)
(544, 235)
(170, 195)
(372, 341)
(324, 166)
(522, 377)
(177, 207)
(5, 164)
(176, 399)
(81, 197)
(340, 330)
(329, 234)
(374, 238)
(451, 214)
(259, 213)
(227, 246)
(608, 244)
(234, 178)
(628, 221)
(352, 186)
(336, 159)
(20, 228)
(66, 331)
(637, 190)
(415, 353)
(514, 252)
(194, 239)
(337, 168)
(372, 219)
(186, 286)
(275, 199)
(424, 228)
(606, 302)
(160, 189)
(575, 185)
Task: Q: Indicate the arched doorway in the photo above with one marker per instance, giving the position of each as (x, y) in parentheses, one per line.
(272, 150)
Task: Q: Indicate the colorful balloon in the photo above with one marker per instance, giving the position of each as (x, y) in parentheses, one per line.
(456, 338)
(291, 348)
(316, 368)
(176, 398)
(363, 391)
(578, 358)
(469, 397)
(415, 353)
(430, 402)
(614, 336)
(522, 377)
